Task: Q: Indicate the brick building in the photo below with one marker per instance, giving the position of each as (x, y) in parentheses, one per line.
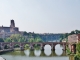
(72, 40)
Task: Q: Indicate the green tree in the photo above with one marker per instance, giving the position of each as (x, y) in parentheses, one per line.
(1, 40)
(77, 56)
(77, 31)
(78, 47)
(38, 39)
(25, 33)
(27, 46)
(17, 38)
(72, 32)
(7, 40)
(31, 40)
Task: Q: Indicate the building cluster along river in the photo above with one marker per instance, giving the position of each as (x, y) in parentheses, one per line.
(47, 54)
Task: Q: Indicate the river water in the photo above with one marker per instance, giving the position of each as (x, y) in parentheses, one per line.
(47, 54)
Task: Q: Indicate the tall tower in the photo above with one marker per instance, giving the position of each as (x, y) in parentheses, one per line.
(12, 23)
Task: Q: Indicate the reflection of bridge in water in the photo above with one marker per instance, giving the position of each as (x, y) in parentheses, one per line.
(22, 45)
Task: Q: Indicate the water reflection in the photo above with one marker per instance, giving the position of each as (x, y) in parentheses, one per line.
(47, 50)
(58, 49)
(21, 55)
(27, 52)
(37, 52)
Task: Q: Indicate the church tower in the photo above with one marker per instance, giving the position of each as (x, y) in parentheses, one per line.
(12, 23)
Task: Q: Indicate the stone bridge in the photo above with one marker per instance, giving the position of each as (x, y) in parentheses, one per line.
(22, 45)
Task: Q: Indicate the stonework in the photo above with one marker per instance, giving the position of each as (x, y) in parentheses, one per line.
(72, 38)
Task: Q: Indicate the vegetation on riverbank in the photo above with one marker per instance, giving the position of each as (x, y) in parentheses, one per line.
(77, 55)
(68, 50)
(65, 36)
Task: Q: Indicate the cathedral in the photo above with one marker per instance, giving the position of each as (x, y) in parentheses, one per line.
(7, 31)
(12, 28)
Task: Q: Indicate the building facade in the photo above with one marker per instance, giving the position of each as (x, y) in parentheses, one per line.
(8, 31)
(72, 40)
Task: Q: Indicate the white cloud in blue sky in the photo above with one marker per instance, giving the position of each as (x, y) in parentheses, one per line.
(40, 16)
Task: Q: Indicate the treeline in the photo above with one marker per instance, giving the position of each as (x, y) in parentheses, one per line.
(67, 34)
(22, 38)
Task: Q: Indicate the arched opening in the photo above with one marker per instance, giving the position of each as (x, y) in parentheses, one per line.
(37, 46)
(58, 49)
(26, 46)
(6, 46)
(74, 48)
(16, 46)
(47, 50)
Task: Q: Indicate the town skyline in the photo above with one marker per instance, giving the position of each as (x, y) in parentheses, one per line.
(55, 16)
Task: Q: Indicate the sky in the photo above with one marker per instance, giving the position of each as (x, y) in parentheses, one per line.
(41, 16)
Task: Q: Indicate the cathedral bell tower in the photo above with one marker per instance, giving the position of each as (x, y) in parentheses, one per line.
(12, 25)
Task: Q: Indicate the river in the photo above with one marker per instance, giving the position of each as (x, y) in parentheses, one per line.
(47, 54)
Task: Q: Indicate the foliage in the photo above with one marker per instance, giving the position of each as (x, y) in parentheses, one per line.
(31, 40)
(1, 40)
(67, 34)
(15, 38)
(68, 50)
(78, 47)
(6, 47)
(37, 39)
(7, 40)
(25, 33)
(64, 36)
(36, 46)
(15, 46)
(27, 46)
(77, 56)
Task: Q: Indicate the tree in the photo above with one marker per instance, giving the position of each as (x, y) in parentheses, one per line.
(61, 38)
(72, 32)
(25, 33)
(7, 40)
(31, 40)
(1, 40)
(77, 31)
(77, 56)
(78, 47)
(27, 46)
(17, 38)
(38, 39)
